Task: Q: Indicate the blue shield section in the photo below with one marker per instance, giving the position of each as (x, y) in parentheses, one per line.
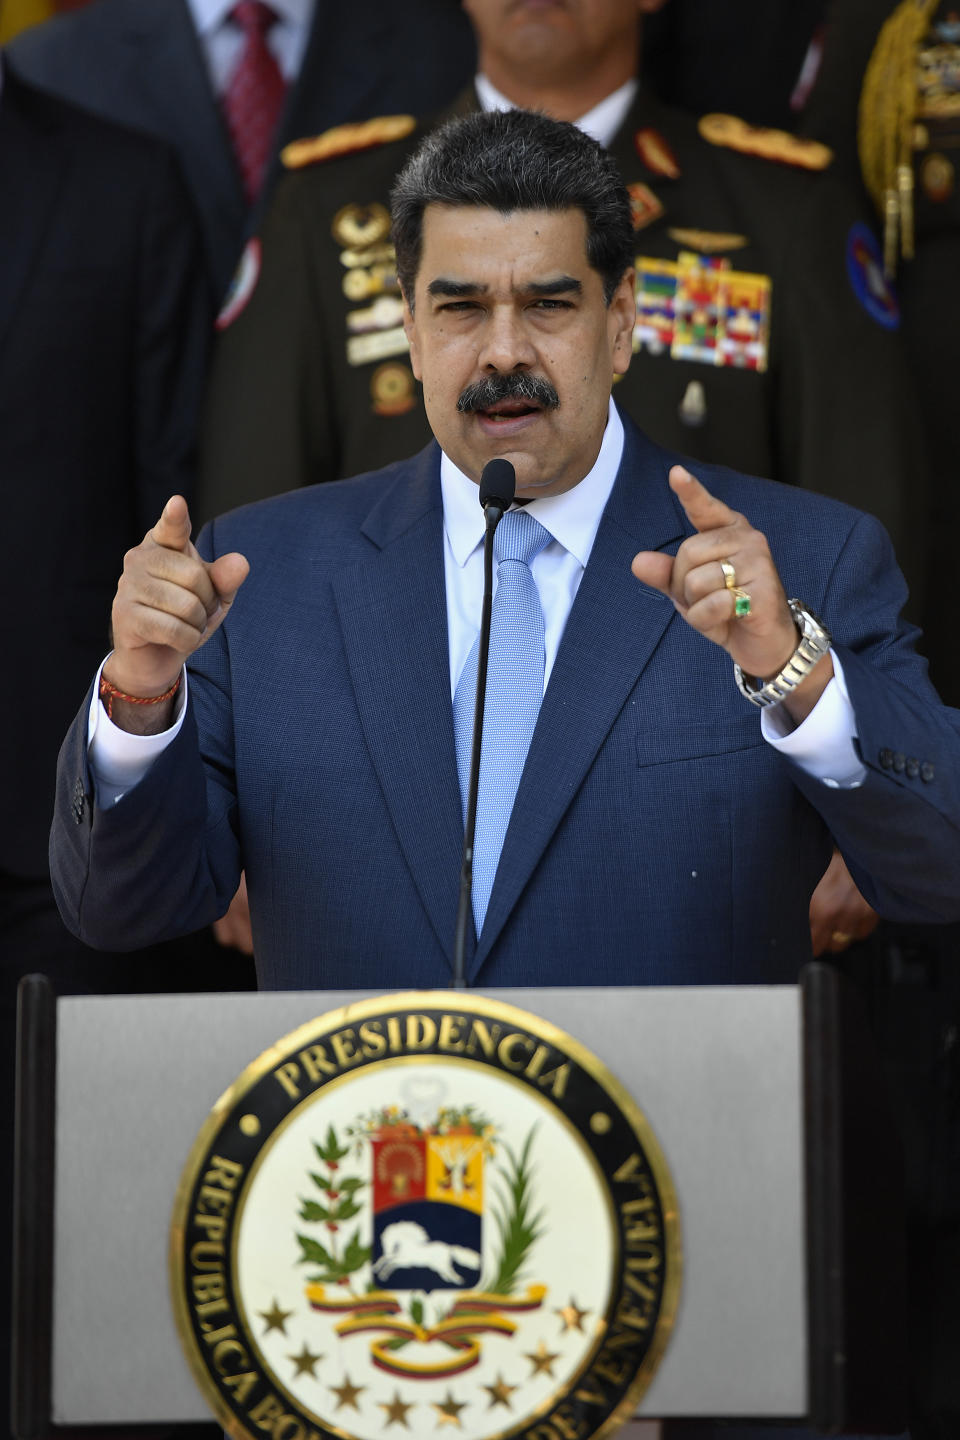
(427, 1245)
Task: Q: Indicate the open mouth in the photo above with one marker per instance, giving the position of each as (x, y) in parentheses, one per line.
(504, 410)
(505, 403)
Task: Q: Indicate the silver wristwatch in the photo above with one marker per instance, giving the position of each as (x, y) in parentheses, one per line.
(815, 641)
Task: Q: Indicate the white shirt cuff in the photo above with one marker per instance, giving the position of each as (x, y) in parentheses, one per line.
(117, 759)
(822, 745)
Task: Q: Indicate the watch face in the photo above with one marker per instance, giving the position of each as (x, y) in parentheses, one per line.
(811, 626)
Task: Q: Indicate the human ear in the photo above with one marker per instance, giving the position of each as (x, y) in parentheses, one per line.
(623, 314)
(413, 338)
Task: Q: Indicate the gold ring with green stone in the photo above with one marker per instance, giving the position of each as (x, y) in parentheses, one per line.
(741, 602)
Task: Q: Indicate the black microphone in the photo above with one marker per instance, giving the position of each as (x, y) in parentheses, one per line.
(498, 485)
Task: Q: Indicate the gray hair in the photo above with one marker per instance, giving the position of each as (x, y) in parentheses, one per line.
(515, 160)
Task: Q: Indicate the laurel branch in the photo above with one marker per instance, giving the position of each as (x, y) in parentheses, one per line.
(339, 1204)
(517, 1227)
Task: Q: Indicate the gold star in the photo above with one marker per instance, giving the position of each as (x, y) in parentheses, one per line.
(448, 1412)
(305, 1362)
(276, 1318)
(346, 1393)
(571, 1315)
(542, 1360)
(395, 1410)
(500, 1392)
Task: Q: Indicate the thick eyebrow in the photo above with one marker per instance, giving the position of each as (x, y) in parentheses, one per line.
(457, 289)
(565, 285)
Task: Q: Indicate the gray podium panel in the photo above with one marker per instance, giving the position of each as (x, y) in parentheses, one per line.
(716, 1070)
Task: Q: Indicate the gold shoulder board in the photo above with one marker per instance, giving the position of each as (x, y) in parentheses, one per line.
(344, 139)
(735, 134)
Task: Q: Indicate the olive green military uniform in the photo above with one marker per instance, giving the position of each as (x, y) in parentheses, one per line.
(914, 998)
(312, 380)
(929, 284)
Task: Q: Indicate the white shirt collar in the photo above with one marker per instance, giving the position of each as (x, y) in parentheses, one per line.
(602, 122)
(209, 15)
(572, 518)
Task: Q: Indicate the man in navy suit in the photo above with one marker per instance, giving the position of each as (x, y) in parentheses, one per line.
(664, 829)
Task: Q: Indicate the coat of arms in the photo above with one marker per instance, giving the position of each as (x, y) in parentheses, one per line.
(421, 1277)
(427, 1212)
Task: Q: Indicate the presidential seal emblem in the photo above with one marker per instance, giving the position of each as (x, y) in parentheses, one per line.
(421, 1212)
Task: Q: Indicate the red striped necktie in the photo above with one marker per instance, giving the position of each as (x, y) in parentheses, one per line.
(255, 95)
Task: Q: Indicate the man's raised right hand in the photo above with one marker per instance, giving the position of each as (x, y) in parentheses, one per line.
(169, 601)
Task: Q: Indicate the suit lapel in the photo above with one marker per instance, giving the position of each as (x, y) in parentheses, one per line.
(614, 627)
(169, 66)
(392, 611)
(32, 169)
(337, 80)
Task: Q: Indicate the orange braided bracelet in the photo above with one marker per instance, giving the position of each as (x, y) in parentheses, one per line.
(109, 693)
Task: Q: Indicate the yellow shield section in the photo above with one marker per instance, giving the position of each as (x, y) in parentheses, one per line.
(455, 1170)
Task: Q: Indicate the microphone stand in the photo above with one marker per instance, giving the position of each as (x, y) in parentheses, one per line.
(494, 506)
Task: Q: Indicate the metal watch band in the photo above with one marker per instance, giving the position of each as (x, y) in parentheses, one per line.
(815, 641)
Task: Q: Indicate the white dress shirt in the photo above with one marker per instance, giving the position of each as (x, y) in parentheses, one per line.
(572, 518)
(822, 745)
(222, 41)
(602, 122)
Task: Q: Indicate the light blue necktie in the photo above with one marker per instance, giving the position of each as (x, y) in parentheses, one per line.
(514, 692)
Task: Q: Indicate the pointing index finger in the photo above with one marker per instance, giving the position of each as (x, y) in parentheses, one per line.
(703, 510)
(172, 530)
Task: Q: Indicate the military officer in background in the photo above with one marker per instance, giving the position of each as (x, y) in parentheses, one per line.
(888, 102)
(765, 335)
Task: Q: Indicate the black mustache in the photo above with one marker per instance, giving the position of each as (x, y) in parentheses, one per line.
(485, 393)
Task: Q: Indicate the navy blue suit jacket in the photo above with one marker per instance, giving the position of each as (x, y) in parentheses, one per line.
(656, 837)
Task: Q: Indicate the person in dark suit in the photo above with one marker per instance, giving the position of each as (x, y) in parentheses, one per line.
(889, 86)
(104, 335)
(655, 827)
(165, 66)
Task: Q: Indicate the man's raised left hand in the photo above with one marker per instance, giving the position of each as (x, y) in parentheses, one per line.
(760, 642)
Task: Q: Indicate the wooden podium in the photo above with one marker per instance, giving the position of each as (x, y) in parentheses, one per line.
(766, 1102)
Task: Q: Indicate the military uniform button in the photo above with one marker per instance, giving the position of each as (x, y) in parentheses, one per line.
(899, 762)
(693, 406)
(913, 767)
(926, 771)
(886, 758)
